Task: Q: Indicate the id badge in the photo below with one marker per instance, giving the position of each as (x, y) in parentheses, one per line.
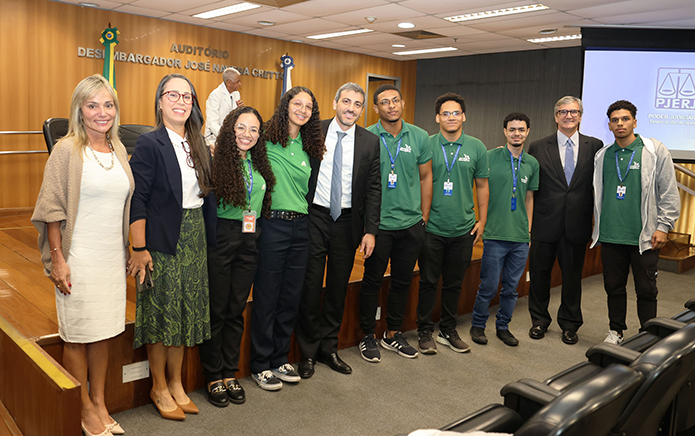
(621, 192)
(513, 203)
(249, 222)
(448, 188)
(392, 180)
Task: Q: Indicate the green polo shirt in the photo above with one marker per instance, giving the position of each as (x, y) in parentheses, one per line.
(400, 206)
(453, 215)
(228, 211)
(503, 223)
(292, 169)
(621, 220)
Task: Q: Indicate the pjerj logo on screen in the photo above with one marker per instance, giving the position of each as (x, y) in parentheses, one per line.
(675, 88)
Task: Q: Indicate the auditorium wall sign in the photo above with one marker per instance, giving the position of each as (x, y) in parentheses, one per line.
(215, 66)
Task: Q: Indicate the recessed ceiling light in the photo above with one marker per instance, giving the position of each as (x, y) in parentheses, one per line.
(398, 45)
(547, 31)
(89, 5)
(337, 34)
(240, 7)
(554, 38)
(266, 23)
(429, 50)
(497, 13)
(406, 25)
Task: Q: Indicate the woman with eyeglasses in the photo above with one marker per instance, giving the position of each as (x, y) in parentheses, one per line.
(172, 214)
(293, 135)
(243, 182)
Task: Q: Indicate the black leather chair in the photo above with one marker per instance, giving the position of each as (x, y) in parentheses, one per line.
(129, 134)
(53, 130)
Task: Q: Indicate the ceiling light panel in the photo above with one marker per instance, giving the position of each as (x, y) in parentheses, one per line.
(554, 38)
(339, 34)
(497, 13)
(240, 7)
(428, 50)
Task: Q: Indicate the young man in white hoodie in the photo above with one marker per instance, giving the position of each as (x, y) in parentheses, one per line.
(636, 204)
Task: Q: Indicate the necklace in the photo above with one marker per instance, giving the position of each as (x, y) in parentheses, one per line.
(97, 159)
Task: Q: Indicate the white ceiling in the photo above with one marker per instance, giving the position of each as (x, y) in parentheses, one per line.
(491, 35)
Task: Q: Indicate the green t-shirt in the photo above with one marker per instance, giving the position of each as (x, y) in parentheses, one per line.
(621, 220)
(400, 206)
(257, 182)
(292, 170)
(453, 215)
(503, 223)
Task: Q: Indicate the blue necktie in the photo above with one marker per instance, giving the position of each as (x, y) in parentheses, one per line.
(337, 178)
(569, 160)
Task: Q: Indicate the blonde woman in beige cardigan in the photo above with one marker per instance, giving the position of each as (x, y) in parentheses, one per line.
(82, 215)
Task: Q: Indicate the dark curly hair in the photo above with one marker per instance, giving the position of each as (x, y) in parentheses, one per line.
(228, 168)
(278, 128)
(622, 104)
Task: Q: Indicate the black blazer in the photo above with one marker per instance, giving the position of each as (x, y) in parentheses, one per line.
(158, 197)
(560, 209)
(366, 183)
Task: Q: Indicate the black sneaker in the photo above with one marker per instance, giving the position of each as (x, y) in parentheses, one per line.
(452, 340)
(478, 335)
(267, 381)
(399, 345)
(507, 337)
(369, 350)
(286, 373)
(426, 342)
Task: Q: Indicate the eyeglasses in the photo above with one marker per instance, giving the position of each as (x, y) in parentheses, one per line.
(243, 128)
(298, 105)
(387, 102)
(447, 114)
(565, 112)
(187, 148)
(174, 96)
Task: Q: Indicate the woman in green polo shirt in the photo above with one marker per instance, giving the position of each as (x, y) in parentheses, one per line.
(293, 137)
(243, 180)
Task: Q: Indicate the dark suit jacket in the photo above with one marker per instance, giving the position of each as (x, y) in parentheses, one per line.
(158, 196)
(560, 209)
(366, 183)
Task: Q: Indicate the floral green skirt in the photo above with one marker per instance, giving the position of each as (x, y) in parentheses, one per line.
(177, 310)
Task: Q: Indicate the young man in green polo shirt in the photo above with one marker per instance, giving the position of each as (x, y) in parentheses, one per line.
(457, 160)
(406, 180)
(636, 204)
(513, 178)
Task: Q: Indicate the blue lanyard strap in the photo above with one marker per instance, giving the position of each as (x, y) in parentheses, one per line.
(629, 164)
(249, 183)
(514, 176)
(398, 150)
(453, 162)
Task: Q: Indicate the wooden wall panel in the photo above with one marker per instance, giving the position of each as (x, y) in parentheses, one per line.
(39, 67)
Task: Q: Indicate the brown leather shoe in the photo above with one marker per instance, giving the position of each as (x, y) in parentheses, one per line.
(188, 408)
(176, 414)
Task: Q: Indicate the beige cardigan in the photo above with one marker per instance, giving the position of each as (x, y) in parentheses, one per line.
(59, 197)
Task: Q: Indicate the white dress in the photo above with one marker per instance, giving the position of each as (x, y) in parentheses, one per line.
(95, 308)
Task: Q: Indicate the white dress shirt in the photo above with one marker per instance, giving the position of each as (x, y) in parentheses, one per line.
(189, 181)
(323, 185)
(218, 105)
(562, 144)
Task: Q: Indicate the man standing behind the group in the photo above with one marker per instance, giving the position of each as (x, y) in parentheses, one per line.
(636, 205)
(457, 160)
(222, 100)
(345, 198)
(561, 219)
(406, 179)
(513, 178)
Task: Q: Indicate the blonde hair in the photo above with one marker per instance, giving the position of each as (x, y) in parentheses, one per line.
(83, 91)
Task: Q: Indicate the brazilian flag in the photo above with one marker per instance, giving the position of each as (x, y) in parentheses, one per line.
(109, 38)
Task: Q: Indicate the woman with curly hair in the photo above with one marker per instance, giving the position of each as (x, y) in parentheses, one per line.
(293, 135)
(243, 182)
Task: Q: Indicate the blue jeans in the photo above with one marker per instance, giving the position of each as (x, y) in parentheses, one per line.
(505, 258)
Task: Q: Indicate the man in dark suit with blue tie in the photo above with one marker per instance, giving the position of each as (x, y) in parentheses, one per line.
(345, 207)
(562, 218)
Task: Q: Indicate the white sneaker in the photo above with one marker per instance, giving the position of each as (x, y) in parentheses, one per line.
(614, 338)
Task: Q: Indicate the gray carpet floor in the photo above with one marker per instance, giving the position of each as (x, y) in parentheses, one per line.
(399, 395)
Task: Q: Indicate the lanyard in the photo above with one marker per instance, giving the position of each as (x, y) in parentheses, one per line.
(398, 150)
(629, 164)
(453, 162)
(514, 177)
(249, 183)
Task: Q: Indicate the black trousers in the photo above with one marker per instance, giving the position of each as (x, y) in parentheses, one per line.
(318, 324)
(231, 268)
(570, 257)
(617, 260)
(403, 248)
(448, 257)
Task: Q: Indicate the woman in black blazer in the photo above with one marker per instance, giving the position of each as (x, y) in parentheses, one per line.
(173, 211)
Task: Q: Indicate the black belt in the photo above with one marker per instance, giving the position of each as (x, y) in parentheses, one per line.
(287, 215)
(328, 211)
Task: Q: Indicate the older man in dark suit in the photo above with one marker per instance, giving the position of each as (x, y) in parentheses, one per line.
(345, 198)
(562, 218)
